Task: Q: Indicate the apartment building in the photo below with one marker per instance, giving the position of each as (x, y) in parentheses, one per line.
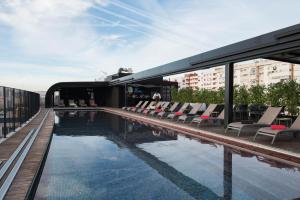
(190, 80)
(265, 72)
(259, 71)
(212, 79)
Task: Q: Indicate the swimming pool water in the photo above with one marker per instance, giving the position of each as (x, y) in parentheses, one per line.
(96, 155)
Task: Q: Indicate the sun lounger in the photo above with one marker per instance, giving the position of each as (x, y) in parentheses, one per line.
(191, 114)
(151, 108)
(206, 114)
(152, 103)
(143, 106)
(139, 105)
(92, 103)
(219, 120)
(163, 107)
(266, 120)
(214, 121)
(82, 103)
(72, 104)
(180, 112)
(165, 112)
(274, 131)
(136, 106)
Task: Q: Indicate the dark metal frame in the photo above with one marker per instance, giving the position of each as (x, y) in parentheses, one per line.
(280, 45)
(49, 98)
(31, 107)
(228, 115)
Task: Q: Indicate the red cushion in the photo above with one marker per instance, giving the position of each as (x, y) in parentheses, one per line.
(278, 127)
(178, 113)
(204, 116)
(157, 110)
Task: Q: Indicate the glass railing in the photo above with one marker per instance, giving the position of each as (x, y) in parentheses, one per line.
(16, 107)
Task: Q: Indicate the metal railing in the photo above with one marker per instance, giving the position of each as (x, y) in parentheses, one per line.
(16, 107)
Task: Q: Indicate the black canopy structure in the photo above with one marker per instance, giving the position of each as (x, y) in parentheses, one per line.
(104, 94)
(281, 45)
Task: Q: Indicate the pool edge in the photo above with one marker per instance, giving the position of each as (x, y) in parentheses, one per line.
(257, 149)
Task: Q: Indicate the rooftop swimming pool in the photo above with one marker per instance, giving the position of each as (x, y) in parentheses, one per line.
(96, 155)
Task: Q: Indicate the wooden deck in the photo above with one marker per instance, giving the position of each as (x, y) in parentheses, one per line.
(29, 168)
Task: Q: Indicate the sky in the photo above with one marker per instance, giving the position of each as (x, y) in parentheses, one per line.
(47, 41)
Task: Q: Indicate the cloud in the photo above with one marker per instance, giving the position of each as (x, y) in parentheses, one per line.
(58, 40)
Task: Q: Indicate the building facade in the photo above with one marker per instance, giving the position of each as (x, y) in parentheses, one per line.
(259, 71)
(190, 80)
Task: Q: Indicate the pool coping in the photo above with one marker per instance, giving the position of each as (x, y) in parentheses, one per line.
(247, 146)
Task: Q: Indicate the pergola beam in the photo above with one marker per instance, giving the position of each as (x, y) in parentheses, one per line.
(282, 41)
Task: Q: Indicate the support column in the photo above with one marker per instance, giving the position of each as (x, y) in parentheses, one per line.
(227, 173)
(228, 94)
(53, 99)
(125, 95)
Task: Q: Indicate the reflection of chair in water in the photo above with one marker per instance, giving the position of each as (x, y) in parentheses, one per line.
(129, 127)
(82, 113)
(60, 114)
(241, 153)
(208, 142)
(156, 133)
(72, 113)
(276, 164)
(92, 116)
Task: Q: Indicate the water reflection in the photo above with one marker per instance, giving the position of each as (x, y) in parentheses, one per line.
(207, 171)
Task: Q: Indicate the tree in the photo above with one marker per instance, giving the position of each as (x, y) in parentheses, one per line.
(220, 95)
(174, 94)
(240, 95)
(275, 92)
(291, 97)
(257, 94)
(185, 95)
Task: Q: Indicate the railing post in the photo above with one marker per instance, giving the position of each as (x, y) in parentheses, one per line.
(14, 109)
(4, 110)
(229, 70)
